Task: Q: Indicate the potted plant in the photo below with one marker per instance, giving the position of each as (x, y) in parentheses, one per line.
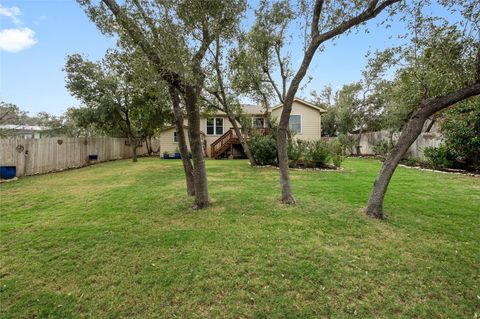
(166, 155)
(177, 154)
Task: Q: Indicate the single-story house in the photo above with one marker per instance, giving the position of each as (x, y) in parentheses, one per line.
(220, 139)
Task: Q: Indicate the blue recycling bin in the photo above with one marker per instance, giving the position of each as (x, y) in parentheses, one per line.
(8, 172)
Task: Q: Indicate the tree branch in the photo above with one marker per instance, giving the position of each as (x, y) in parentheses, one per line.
(270, 80)
(372, 11)
(210, 103)
(316, 18)
(478, 63)
(282, 71)
(139, 39)
(218, 70)
(436, 104)
(147, 19)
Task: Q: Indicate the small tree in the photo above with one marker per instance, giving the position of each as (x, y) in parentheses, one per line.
(175, 37)
(116, 102)
(322, 21)
(442, 68)
(225, 96)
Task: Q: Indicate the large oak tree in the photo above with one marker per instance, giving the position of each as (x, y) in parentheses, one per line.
(440, 68)
(175, 37)
(323, 21)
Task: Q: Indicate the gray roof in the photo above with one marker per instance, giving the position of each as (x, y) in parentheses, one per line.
(252, 109)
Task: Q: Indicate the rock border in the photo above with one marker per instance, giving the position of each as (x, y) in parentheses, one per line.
(338, 169)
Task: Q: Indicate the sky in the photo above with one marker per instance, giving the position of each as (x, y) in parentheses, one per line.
(37, 35)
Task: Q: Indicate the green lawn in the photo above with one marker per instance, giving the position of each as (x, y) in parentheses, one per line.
(119, 240)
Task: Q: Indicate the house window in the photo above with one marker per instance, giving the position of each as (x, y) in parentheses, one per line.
(215, 126)
(219, 126)
(295, 123)
(210, 126)
(258, 122)
(175, 137)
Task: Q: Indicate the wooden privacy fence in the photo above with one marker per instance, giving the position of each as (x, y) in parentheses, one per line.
(36, 156)
(370, 139)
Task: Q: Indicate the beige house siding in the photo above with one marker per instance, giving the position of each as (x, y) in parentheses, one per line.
(212, 138)
(310, 125)
(310, 119)
(166, 141)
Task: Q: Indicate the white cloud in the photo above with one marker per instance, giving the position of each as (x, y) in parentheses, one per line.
(16, 40)
(13, 13)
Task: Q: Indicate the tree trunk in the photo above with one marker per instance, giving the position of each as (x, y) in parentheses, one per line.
(150, 148)
(283, 128)
(133, 146)
(148, 142)
(358, 146)
(182, 141)
(238, 132)
(282, 149)
(199, 172)
(409, 134)
(407, 137)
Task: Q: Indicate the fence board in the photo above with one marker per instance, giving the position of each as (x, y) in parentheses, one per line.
(370, 139)
(47, 155)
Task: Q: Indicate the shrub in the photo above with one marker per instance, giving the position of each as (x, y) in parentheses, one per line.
(382, 148)
(336, 150)
(411, 161)
(439, 157)
(264, 149)
(296, 152)
(347, 142)
(318, 153)
(460, 126)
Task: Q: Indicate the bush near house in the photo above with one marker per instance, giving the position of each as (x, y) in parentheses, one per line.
(264, 149)
(318, 153)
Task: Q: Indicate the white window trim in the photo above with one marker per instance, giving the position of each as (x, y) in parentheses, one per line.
(215, 126)
(258, 117)
(175, 133)
(301, 123)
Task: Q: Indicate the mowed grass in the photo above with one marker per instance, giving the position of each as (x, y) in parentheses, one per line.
(120, 240)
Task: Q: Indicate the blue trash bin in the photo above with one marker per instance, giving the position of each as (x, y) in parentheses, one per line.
(8, 172)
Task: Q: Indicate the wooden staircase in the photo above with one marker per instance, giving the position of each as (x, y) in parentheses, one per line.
(225, 143)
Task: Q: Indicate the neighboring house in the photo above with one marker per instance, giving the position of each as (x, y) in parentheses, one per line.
(220, 139)
(23, 131)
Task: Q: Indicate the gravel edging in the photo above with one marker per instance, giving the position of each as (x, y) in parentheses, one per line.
(459, 172)
(300, 169)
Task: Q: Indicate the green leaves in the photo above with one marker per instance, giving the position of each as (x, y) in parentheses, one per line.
(121, 94)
